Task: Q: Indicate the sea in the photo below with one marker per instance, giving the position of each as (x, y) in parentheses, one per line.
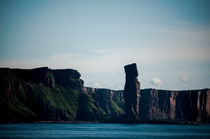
(103, 131)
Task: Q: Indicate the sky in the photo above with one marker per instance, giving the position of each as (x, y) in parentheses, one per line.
(169, 40)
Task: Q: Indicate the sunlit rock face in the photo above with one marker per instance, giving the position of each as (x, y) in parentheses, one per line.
(131, 93)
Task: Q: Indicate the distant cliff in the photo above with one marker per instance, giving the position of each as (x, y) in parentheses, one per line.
(160, 106)
(190, 106)
(109, 103)
(150, 105)
(44, 94)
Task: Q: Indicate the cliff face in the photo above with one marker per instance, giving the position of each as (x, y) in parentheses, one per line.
(39, 94)
(109, 104)
(43, 94)
(192, 106)
(150, 105)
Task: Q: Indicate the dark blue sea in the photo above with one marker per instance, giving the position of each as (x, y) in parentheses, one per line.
(104, 131)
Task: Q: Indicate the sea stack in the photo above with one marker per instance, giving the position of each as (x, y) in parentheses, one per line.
(131, 93)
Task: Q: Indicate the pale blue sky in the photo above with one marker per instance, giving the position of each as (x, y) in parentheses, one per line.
(168, 39)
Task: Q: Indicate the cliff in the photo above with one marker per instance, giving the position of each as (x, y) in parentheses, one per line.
(189, 106)
(44, 94)
(159, 106)
(108, 103)
(39, 94)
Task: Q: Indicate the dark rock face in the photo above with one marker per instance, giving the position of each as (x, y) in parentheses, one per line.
(108, 104)
(40, 94)
(131, 93)
(188, 106)
(43, 94)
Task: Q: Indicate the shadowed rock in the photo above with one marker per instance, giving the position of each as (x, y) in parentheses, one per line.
(131, 93)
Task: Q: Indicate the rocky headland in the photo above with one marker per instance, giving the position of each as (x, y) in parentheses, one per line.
(43, 94)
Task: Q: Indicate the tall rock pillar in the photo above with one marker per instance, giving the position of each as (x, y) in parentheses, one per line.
(131, 93)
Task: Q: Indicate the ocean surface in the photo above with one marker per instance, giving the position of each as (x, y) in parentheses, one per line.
(104, 131)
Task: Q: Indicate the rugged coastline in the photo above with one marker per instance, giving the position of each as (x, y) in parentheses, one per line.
(46, 95)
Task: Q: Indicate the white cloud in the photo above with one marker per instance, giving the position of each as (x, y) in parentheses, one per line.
(184, 79)
(156, 81)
